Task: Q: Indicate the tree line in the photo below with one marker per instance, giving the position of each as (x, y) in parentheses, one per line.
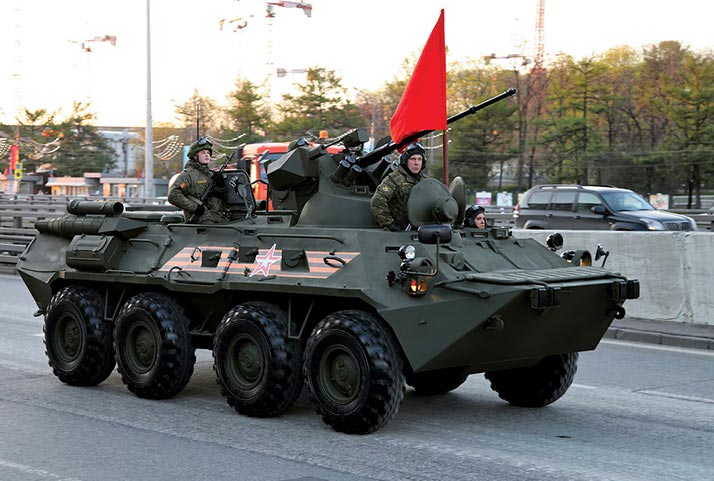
(635, 119)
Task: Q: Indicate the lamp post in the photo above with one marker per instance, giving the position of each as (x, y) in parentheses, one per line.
(149, 133)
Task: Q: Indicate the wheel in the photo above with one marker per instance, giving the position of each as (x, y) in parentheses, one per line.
(78, 340)
(538, 385)
(353, 372)
(153, 346)
(256, 365)
(437, 382)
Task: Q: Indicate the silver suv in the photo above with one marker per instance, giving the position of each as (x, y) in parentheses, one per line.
(593, 207)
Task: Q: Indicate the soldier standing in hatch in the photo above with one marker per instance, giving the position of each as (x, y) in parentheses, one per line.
(389, 202)
(186, 191)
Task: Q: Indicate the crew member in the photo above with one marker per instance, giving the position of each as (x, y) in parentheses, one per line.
(189, 186)
(475, 216)
(389, 202)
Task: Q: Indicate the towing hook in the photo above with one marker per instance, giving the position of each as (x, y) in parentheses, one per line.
(618, 312)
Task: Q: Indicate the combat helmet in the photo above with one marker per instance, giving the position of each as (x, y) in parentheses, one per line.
(413, 149)
(203, 143)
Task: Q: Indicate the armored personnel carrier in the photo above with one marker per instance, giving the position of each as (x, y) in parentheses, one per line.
(315, 295)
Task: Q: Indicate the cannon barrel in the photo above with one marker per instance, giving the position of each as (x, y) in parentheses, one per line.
(70, 225)
(374, 156)
(84, 207)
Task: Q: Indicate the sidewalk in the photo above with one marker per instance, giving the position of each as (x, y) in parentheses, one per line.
(693, 336)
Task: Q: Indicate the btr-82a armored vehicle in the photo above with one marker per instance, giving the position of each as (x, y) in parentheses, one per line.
(317, 295)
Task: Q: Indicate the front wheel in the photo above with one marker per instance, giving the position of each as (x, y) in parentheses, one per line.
(536, 386)
(153, 346)
(353, 372)
(257, 366)
(78, 340)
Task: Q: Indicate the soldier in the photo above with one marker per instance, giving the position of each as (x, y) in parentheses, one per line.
(188, 187)
(389, 203)
(475, 216)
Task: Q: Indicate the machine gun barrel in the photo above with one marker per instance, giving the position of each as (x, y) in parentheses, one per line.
(374, 156)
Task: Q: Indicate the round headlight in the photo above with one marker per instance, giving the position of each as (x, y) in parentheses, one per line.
(407, 252)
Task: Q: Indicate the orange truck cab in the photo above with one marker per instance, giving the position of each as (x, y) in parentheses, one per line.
(257, 157)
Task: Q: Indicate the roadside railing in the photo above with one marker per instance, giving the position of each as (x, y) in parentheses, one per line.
(19, 212)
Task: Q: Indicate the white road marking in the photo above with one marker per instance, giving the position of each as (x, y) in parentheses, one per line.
(677, 396)
(39, 472)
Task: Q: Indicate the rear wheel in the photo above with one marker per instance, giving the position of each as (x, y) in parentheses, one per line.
(78, 340)
(256, 365)
(538, 385)
(153, 346)
(353, 372)
(437, 382)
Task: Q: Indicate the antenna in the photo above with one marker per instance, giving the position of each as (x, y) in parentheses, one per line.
(198, 118)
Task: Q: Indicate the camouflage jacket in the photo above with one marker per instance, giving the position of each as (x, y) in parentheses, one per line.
(188, 188)
(389, 202)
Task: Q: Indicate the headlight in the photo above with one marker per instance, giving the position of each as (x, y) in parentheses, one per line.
(417, 286)
(653, 224)
(407, 252)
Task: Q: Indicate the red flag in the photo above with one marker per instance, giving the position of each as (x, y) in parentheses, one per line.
(423, 104)
(14, 156)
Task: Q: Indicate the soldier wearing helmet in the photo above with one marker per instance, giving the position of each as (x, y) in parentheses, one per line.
(475, 216)
(190, 184)
(389, 202)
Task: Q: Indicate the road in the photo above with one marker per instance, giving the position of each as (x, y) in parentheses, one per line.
(635, 412)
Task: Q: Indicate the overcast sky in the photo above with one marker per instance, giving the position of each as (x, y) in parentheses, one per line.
(365, 42)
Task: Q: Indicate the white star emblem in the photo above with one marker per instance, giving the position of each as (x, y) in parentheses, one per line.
(265, 262)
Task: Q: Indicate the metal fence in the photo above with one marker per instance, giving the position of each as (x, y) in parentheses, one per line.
(19, 212)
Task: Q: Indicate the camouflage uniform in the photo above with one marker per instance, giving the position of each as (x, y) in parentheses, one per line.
(389, 202)
(188, 188)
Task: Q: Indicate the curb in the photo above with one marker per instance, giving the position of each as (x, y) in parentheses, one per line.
(662, 337)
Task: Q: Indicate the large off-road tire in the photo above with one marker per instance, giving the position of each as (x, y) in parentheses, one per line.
(257, 367)
(538, 385)
(353, 372)
(78, 340)
(153, 346)
(437, 382)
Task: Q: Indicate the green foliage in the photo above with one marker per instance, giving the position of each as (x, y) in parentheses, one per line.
(200, 114)
(83, 149)
(321, 104)
(247, 112)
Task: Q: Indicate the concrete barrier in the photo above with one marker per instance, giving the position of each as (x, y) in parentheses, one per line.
(675, 269)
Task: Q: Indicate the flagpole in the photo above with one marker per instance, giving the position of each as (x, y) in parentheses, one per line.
(445, 148)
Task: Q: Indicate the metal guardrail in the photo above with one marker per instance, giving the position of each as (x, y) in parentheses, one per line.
(19, 212)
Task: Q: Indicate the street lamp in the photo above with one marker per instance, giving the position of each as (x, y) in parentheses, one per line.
(149, 135)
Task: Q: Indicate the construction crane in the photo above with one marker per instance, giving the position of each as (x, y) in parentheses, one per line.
(539, 38)
(239, 23)
(282, 72)
(305, 7)
(86, 44)
(493, 56)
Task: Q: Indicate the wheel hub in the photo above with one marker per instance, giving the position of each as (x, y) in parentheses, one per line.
(71, 337)
(141, 348)
(340, 374)
(245, 362)
(249, 361)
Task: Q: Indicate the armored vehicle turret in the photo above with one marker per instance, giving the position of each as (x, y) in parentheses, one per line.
(315, 295)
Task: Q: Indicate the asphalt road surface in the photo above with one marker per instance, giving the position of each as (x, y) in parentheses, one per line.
(635, 412)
